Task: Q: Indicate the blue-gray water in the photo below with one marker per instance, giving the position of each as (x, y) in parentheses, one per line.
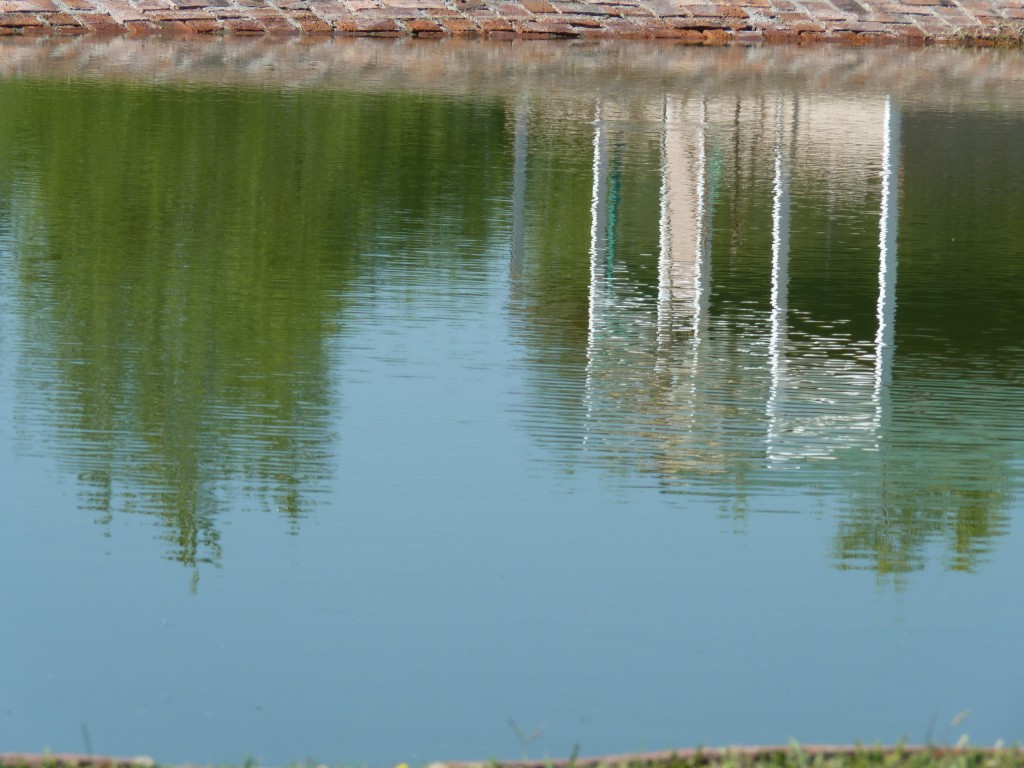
(376, 417)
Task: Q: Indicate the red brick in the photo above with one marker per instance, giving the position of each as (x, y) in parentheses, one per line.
(731, 12)
(911, 32)
(273, 21)
(24, 20)
(141, 27)
(244, 27)
(120, 11)
(424, 28)
(20, 20)
(810, 38)
(686, 36)
(205, 26)
(328, 8)
(62, 20)
(863, 26)
(461, 27)
(279, 26)
(632, 10)
(582, 9)
(626, 29)
(629, 10)
(27, 6)
(368, 27)
(529, 29)
(398, 13)
(716, 37)
(174, 27)
(798, 22)
(776, 35)
(311, 24)
(511, 11)
(665, 8)
(179, 15)
(824, 12)
(538, 6)
(494, 25)
(910, 10)
(581, 22)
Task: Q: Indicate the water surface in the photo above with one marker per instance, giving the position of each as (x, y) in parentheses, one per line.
(374, 403)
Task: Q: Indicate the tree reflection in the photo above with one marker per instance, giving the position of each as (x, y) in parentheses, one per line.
(188, 263)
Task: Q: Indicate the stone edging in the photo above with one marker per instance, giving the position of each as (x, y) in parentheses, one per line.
(696, 22)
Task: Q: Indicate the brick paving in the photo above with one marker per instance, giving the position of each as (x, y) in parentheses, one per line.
(696, 22)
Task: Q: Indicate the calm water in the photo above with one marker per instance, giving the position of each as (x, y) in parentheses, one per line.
(370, 403)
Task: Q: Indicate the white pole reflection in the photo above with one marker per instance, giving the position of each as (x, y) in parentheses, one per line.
(780, 285)
(664, 237)
(598, 253)
(888, 225)
(702, 266)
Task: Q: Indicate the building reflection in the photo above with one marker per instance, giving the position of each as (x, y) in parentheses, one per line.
(821, 396)
(820, 404)
(722, 360)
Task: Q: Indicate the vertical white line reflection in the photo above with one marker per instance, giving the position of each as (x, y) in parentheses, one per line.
(518, 247)
(702, 270)
(664, 237)
(780, 286)
(887, 231)
(598, 256)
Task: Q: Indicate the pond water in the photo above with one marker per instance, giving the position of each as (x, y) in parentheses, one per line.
(365, 402)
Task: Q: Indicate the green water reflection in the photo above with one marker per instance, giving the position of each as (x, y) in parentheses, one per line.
(696, 293)
(184, 260)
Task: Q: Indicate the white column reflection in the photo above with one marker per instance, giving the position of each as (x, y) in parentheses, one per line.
(651, 373)
(888, 225)
(780, 281)
(598, 298)
(826, 385)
